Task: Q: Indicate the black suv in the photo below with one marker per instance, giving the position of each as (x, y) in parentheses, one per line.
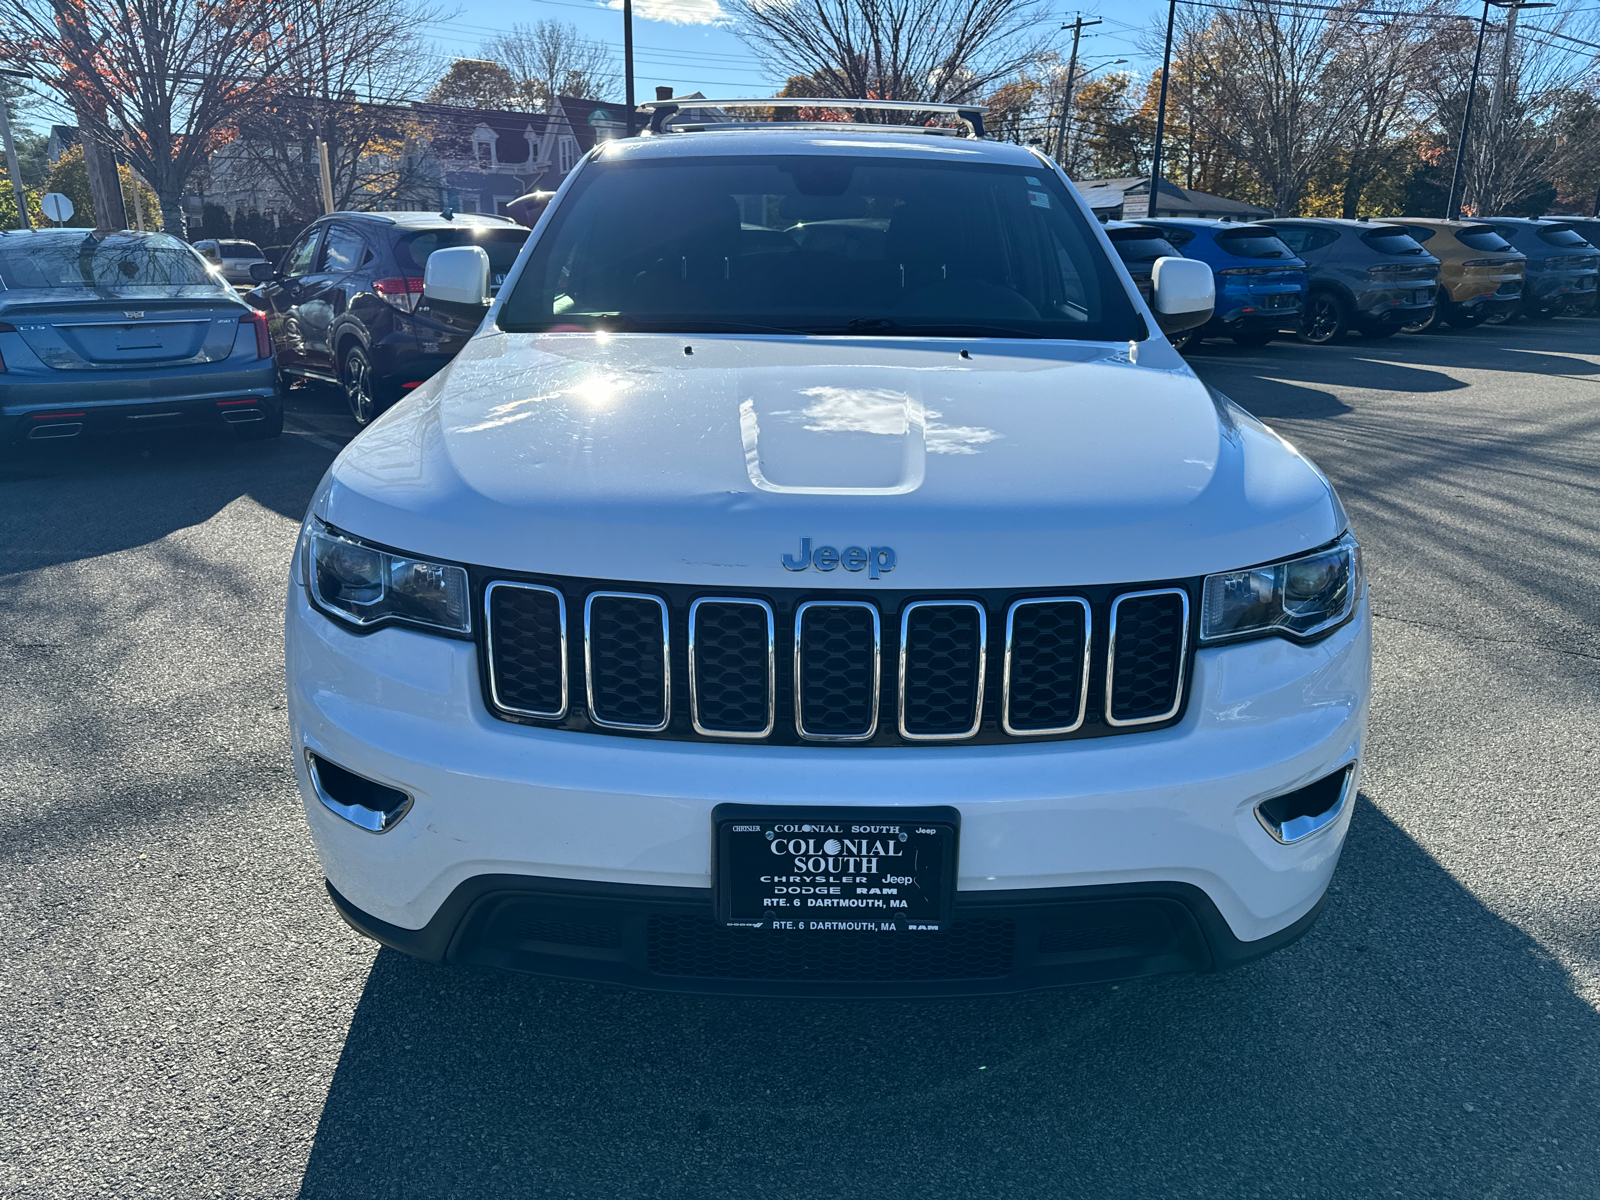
(1364, 275)
(345, 302)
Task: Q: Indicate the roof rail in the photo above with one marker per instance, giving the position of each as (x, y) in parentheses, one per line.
(662, 111)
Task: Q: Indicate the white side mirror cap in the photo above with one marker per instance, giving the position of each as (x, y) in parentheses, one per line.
(1180, 286)
(459, 275)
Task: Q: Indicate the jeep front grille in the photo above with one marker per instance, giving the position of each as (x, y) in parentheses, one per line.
(792, 667)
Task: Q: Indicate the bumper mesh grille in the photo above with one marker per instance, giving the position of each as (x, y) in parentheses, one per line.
(731, 661)
(529, 650)
(942, 651)
(838, 664)
(696, 946)
(1047, 664)
(627, 638)
(1148, 634)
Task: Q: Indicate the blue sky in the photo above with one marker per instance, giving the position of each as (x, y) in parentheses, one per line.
(688, 45)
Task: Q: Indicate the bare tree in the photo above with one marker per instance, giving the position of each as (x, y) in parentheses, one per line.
(343, 66)
(1278, 98)
(161, 82)
(1518, 147)
(1389, 61)
(550, 59)
(930, 50)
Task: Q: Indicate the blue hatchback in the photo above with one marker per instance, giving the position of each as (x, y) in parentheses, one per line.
(1260, 282)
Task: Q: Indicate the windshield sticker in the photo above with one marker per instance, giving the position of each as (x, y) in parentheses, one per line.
(1039, 199)
(1033, 181)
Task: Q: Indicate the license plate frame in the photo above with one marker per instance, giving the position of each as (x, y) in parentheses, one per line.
(910, 886)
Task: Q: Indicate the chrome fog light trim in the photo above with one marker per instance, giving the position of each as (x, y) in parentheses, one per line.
(324, 774)
(1289, 829)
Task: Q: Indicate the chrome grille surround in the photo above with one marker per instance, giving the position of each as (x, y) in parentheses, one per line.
(772, 670)
(799, 675)
(1111, 659)
(1084, 663)
(982, 663)
(488, 625)
(666, 661)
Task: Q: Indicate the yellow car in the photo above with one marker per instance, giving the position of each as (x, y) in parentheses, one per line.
(1480, 274)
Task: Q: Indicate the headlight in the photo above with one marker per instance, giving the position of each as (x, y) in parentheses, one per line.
(361, 584)
(1301, 597)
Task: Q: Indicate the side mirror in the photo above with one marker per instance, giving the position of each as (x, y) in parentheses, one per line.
(262, 272)
(459, 275)
(1183, 293)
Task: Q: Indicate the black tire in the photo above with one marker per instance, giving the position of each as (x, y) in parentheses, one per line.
(1539, 314)
(1434, 316)
(1257, 337)
(263, 430)
(1500, 315)
(359, 386)
(1324, 319)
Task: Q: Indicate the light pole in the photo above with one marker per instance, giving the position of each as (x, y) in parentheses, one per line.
(11, 154)
(627, 61)
(1063, 149)
(1452, 209)
(1161, 110)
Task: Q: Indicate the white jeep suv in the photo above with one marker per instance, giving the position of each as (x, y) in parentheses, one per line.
(819, 576)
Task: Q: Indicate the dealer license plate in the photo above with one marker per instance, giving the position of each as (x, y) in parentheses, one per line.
(835, 869)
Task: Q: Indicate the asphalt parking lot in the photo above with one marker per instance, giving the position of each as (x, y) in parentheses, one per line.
(182, 1014)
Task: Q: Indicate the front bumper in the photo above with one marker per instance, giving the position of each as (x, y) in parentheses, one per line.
(1168, 807)
(664, 939)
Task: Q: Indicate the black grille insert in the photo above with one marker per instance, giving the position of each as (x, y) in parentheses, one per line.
(942, 647)
(1149, 637)
(979, 948)
(731, 666)
(625, 636)
(1047, 665)
(528, 649)
(836, 662)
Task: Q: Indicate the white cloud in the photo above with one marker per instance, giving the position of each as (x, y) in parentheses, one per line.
(676, 12)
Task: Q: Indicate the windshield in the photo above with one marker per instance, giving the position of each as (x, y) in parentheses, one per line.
(1253, 243)
(239, 249)
(1482, 238)
(1420, 233)
(792, 244)
(154, 261)
(1140, 247)
(501, 245)
(1392, 241)
(1562, 236)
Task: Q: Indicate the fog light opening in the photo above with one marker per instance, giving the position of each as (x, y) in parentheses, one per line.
(373, 806)
(1297, 815)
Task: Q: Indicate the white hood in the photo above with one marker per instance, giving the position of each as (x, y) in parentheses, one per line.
(627, 457)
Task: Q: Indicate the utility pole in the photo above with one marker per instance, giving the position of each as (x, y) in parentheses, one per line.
(1077, 28)
(1502, 77)
(326, 176)
(1452, 206)
(11, 155)
(1161, 109)
(627, 62)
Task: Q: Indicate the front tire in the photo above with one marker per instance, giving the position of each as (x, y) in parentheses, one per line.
(1325, 319)
(360, 389)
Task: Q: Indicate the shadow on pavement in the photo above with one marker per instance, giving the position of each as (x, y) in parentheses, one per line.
(1394, 1051)
(61, 503)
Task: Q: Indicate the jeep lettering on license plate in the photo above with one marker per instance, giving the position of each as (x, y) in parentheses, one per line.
(835, 869)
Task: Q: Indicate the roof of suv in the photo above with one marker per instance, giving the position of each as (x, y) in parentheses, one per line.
(1340, 223)
(431, 220)
(909, 141)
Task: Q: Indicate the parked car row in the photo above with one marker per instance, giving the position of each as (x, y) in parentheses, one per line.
(1324, 277)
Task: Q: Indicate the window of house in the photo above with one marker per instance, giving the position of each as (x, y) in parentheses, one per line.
(569, 154)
